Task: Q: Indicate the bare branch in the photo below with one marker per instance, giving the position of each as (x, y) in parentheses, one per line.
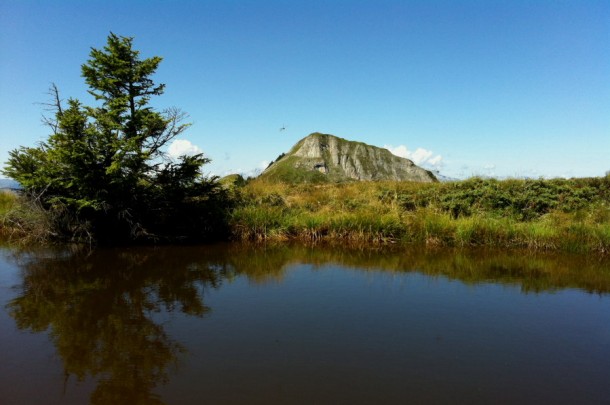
(53, 106)
(174, 117)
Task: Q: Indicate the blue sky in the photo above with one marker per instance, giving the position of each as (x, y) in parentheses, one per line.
(502, 88)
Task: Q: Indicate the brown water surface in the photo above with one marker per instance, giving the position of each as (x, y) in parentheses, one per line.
(280, 325)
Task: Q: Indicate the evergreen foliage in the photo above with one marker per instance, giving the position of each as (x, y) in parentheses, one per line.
(104, 171)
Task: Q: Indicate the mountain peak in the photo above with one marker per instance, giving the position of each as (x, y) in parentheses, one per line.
(327, 158)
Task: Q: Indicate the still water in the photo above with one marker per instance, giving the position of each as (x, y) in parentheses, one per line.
(280, 325)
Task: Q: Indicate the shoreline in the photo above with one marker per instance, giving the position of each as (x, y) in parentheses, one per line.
(539, 215)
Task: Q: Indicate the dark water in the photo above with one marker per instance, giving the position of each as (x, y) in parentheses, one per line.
(232, 324)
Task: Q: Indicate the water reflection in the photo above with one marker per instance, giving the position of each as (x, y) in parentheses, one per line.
(105, 311)
(533, 272)
(99, 310)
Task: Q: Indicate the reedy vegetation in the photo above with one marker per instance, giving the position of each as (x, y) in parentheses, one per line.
(24, 219)
(569, 215)
(7, 201)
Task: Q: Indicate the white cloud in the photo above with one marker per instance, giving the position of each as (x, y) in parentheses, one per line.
(181, 147)
(420, 156)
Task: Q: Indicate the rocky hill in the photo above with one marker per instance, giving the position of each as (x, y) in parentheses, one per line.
(326, 158)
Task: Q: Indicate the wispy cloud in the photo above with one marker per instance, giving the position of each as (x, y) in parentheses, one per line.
(420, 156)
(257, 170)
(253, 172)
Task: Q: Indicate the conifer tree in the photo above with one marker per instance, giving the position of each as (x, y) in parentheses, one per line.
(105, 167)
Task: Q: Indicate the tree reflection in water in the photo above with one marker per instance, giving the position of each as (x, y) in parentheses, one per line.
(100, 312)
(104, 310)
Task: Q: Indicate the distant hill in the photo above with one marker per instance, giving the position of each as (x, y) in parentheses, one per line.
(232, 180)
(322, 158)
(443, 178)
(9, 183)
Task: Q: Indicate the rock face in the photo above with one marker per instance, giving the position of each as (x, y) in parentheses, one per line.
(327, 158)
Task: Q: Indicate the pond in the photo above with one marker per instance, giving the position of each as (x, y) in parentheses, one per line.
(295, 324)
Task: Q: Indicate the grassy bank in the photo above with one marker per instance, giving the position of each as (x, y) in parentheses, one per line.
(23, 220)
(568, 215)
(565, 215)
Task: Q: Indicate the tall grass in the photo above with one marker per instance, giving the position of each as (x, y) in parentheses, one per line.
(23, 219)
(569, 215)
(8, 199)
(566, 215)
